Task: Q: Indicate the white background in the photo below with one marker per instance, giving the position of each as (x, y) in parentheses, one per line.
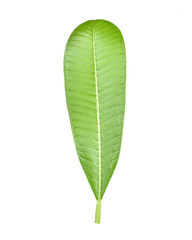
(44, 193)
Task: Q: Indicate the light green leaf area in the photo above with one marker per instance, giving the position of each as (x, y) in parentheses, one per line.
(95, 76)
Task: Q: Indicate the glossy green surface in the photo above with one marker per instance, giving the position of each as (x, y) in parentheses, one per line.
(95, 76)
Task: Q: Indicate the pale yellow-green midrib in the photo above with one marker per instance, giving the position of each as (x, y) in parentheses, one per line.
(98, 116)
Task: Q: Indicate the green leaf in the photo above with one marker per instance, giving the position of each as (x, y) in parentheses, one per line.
(95, 76)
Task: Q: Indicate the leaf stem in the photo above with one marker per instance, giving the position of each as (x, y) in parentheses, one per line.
(98, 212)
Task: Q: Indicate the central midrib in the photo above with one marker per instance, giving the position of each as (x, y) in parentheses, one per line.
(98, 117)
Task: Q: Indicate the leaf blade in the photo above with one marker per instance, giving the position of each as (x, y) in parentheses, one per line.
(95, 75)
